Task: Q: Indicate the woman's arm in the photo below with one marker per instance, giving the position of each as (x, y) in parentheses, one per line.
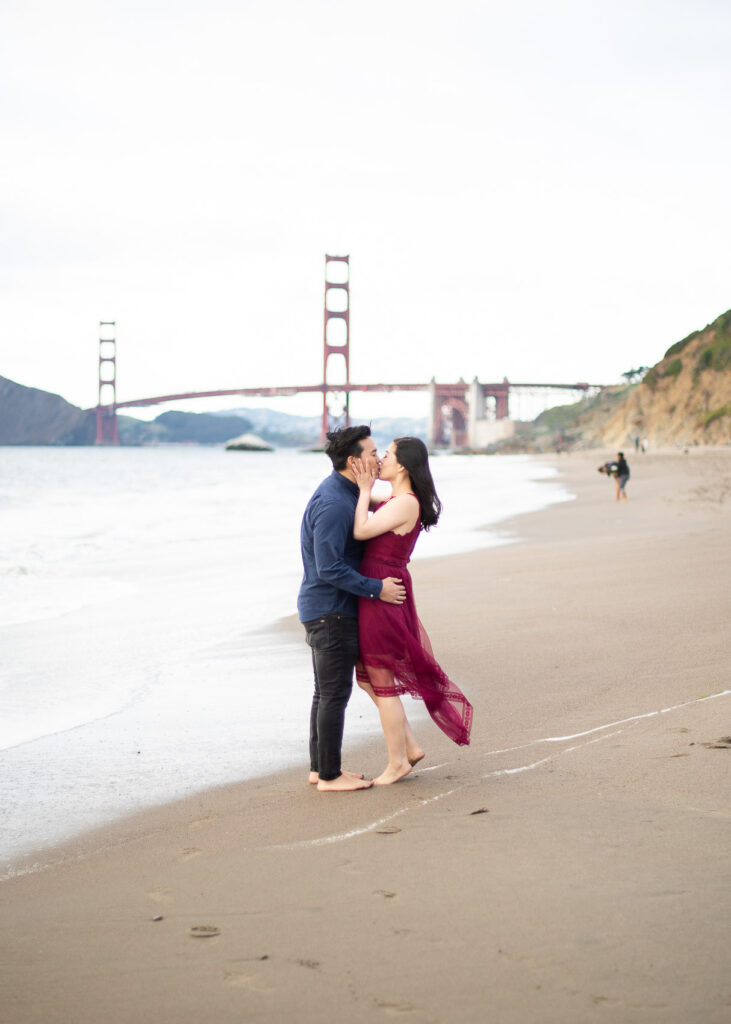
(365, 479)
(394, 514)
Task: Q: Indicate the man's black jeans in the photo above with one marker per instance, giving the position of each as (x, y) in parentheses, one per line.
(334, 643)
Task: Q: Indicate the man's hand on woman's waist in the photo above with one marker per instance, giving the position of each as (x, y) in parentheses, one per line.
(393, 591)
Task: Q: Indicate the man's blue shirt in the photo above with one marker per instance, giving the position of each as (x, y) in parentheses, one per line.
(330, 553)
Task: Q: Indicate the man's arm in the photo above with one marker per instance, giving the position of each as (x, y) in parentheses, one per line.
(330, 535)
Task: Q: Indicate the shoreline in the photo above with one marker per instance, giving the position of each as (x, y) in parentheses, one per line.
(33, 831)
(551, 870)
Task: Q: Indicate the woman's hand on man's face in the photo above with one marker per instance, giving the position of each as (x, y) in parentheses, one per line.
(365, 476)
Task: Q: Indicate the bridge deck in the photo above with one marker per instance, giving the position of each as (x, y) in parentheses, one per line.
(279, 392)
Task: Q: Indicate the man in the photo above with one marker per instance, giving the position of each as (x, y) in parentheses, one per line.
(621, 478)
(328, 601)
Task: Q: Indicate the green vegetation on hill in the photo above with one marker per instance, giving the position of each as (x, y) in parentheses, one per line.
(566, 421)
(654, 375)
(717, 355)
(716, 414)
(712, 353)
(678, 347)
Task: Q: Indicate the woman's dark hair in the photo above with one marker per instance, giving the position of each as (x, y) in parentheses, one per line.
(411, 453)
(344, 442)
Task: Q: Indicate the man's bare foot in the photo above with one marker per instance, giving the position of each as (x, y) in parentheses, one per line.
(391, 775)
(344, 783)
(315, 778)
(415, 757)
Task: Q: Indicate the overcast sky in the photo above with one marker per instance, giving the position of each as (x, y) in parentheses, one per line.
(530, 189)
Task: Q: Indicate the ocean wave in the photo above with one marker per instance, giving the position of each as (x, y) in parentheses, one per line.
(30, 597)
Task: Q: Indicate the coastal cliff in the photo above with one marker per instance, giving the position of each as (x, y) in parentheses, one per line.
(685, 399)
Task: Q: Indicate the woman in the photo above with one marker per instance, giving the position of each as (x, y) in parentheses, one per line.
(395, 653)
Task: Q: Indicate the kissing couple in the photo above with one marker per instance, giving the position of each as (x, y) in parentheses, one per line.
(356, 603)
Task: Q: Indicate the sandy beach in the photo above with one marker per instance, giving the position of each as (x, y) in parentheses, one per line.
(572, 865)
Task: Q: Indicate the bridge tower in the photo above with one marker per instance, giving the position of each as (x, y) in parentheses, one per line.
(336, 343)
(449, 415)
(107, 431)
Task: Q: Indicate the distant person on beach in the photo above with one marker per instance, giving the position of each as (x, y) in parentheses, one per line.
(621, 476)
(395, 653)
(618, 469)
(328, 600)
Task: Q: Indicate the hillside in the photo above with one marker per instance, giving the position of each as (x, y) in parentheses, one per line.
(174, 427)
(684, 399)
(32, 416)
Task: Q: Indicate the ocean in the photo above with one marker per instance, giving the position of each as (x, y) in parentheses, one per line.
(140, 590)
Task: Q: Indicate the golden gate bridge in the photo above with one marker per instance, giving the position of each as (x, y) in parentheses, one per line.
(461, 414)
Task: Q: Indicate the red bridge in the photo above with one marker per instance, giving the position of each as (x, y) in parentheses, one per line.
(460, 413)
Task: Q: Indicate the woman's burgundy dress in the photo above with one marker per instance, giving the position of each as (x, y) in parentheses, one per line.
(395, 653)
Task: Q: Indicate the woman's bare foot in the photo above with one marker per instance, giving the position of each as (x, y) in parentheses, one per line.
(415, 757)
(315, 778)
(391, 775)
(344, 783)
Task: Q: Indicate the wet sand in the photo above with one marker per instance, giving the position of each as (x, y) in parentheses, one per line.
(572, 864)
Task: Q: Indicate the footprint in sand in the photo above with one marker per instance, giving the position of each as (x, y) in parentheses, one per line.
(200, 822)
(398, 1009)
(723, 744)
(188, 854)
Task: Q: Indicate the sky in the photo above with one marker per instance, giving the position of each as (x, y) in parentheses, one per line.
(537, 191)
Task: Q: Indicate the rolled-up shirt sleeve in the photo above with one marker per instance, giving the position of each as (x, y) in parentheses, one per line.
(331, 533)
